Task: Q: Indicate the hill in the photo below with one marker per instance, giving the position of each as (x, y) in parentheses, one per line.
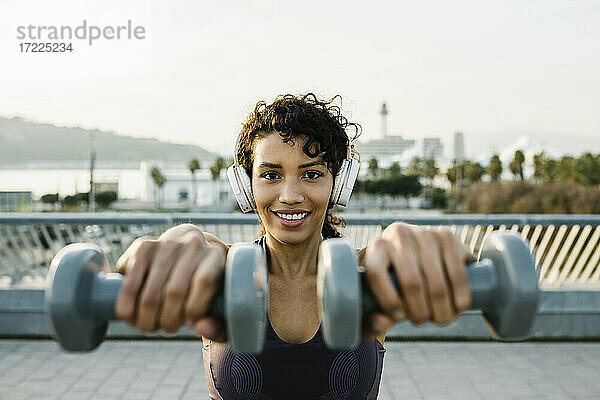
(24, 143)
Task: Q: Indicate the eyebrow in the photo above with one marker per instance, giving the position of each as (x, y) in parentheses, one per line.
(310, 164)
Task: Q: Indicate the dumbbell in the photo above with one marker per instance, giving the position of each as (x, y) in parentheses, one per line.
(80, 297)
(503, 284)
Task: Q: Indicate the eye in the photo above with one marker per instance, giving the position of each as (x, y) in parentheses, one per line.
(270, 175)
(312, 175)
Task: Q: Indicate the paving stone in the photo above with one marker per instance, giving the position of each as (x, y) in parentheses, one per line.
(412, 370)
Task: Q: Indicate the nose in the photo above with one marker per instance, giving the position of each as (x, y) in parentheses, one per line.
(291, 192)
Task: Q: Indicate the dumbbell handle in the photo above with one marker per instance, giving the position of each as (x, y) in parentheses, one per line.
(482, 281)
(105, 289)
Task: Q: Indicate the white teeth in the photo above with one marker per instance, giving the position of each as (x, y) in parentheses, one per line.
(292, 217)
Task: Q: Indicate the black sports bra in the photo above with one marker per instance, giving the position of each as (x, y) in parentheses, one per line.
(285, 371)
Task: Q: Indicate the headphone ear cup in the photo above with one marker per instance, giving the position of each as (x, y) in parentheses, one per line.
(247, 184)
(344, 182)
(338, 183)
(242, 188)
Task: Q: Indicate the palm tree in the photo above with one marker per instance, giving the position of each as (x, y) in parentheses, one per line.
(394, 170)
(495, 168)
(373, 167)
(430, 169)
(539, 161)
(473, 171)
(516, 165)
(193, 166)
(159, 181)
(215, 172)
(415, 167)
(451, 174)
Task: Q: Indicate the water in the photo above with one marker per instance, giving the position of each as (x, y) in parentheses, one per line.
(70, 181)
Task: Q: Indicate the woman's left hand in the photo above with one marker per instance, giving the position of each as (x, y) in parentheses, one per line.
(430, 268)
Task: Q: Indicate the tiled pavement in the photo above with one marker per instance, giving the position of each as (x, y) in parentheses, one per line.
(412, 370)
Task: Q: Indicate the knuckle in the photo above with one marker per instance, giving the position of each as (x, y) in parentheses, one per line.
(423, 233)
(169, 246)
(437, 291)
(446, 236)
(411, 287)
(129, 288)
(399, 228)
(175, 292)
(192, 310)
(204, 278)
(147, 244)
(196, 242)
(378, 244)
(376, 254)
(149, 302)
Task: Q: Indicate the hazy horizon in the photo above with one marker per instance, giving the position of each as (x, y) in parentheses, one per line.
(494, 71)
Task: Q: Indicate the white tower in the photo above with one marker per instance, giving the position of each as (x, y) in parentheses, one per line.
(384, 113)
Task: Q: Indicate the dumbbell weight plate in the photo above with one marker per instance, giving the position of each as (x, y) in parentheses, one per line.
(514, 302)
(69, 312)
(247, 300)
(339, 293)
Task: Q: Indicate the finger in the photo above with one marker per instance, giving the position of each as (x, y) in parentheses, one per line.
(178, 283)
(205, 282)
(407, 267)
(152, 293)
(122, 262)
(439, 291)
(125, 305)
(377, 263)
(376, 324)
(455, 255)
(211, 328)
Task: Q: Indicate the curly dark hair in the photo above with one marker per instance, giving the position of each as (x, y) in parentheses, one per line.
(320, 121)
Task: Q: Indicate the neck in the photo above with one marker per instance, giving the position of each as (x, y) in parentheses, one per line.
(293, 261)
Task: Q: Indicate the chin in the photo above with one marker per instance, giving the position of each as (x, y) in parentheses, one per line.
(289, 236)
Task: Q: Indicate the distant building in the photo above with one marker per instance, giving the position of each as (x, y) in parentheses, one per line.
(106, 187)
(459, 147)
(386, 147)
(433, 148)
(15, 201)
(179, 188)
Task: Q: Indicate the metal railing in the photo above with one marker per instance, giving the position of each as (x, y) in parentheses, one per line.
(566, 247)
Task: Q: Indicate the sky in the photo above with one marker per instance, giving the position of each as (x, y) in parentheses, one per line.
(495, 70)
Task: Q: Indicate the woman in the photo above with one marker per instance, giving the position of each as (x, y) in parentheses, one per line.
(292, 150)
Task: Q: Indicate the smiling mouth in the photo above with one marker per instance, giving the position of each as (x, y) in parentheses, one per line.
(292, 217)
(291, 220)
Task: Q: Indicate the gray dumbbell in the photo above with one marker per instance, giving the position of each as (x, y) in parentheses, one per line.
(80, 298)
(504, 286)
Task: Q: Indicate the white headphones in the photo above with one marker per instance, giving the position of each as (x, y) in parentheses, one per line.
(342, 187)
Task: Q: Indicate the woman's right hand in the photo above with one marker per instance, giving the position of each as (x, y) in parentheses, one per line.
(170, 281)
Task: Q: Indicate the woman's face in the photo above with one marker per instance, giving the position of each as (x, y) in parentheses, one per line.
(291, 190)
